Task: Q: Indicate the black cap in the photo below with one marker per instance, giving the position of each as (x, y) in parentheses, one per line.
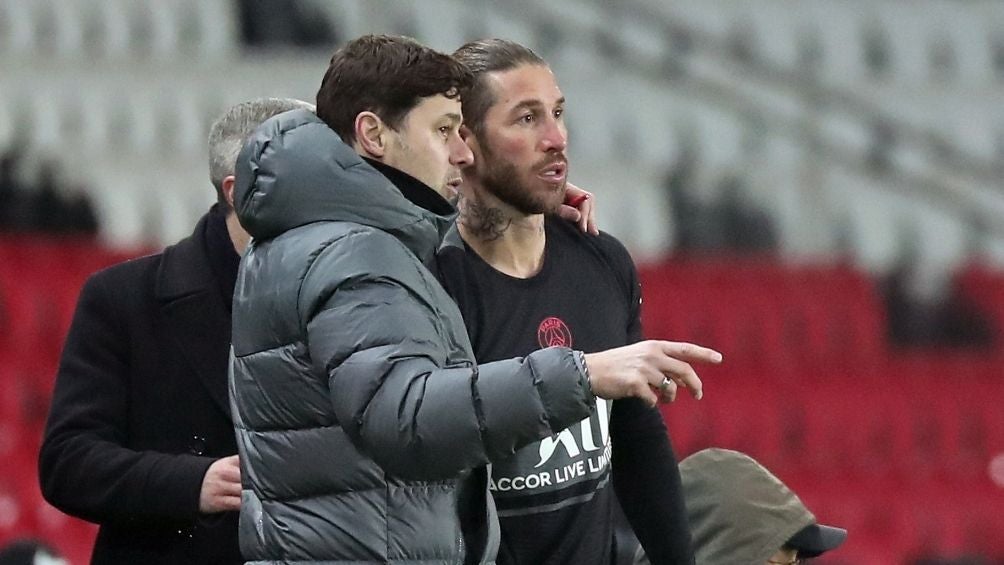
(814, 539)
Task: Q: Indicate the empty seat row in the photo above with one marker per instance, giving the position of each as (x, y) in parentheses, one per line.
(39, 284)
(758, 312)
(914, 43)
(894, 522)
(869, 442)
(25, 514)
(150, 112)
(40, 278)
(834, 421)
(195, 31)
(89, 117)
(853, 41)
(985, 288)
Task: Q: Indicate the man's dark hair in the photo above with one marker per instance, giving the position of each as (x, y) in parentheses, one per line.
(486, 56)
(388, 76)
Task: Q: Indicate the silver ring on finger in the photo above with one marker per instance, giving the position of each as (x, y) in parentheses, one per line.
(664, 385)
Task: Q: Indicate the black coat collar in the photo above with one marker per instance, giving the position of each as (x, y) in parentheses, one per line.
(416, 191)
(196, 316)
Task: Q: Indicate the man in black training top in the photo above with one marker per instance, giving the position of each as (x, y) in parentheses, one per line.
(525, 282)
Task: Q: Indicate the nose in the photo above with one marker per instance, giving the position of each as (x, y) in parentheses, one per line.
(460, 153)
(554, 136)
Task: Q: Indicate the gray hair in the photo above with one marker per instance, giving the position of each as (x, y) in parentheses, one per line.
(229, 133)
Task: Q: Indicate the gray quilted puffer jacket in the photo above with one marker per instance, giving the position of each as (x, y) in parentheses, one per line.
(358, 406)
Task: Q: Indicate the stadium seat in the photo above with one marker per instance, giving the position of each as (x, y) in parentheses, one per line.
(193, 31)
(749, 413)
(439, 22)
(68, 21)
(970, 36)
(7, 123)
(839, 30)
(18, 38)
(215, 34)
(11, 413)
(783, 38)
(719, 136)
(985, 288)
(908, 44)
(114, 41)
(12, 522)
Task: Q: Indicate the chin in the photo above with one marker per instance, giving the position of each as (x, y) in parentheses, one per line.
(445, 191)
(547, 206)
(553, 199)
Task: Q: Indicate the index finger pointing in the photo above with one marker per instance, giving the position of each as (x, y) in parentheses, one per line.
(690, 352)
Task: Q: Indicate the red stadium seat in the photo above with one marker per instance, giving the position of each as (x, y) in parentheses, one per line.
(985, 287)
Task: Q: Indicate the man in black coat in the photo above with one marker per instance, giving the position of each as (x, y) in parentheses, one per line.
(139, 437)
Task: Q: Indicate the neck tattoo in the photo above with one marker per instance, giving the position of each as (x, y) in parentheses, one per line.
(484, 222)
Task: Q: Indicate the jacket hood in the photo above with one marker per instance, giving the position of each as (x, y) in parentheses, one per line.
(295, 170)
(739, 512)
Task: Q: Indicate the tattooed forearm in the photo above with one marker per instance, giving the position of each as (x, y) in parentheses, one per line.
(484, 222)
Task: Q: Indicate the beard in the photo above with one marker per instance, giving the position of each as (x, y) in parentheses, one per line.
(501, 179)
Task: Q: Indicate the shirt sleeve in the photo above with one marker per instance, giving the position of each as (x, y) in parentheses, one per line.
(646, 479)
(646, 476)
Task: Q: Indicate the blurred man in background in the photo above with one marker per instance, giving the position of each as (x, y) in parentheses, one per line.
(742, 514)
(139, 437)
(523, 282)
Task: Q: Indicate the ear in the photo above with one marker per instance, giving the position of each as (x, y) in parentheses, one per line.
(371, 135)
(228, 189)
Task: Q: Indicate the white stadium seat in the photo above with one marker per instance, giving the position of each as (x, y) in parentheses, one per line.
(126, 86)
(17, 19)
(7, 126)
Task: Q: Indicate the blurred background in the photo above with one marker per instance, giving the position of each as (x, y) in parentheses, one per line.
(813, 187)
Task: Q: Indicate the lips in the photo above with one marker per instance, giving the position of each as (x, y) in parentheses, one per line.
(554, 172)
(453, 186)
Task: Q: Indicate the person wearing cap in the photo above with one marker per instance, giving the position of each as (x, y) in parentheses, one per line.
(740, 513)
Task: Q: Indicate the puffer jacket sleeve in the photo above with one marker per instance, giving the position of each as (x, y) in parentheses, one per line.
(378, 325)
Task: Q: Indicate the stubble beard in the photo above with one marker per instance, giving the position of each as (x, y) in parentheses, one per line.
(501, 179)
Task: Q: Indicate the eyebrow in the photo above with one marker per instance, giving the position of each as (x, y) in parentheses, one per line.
(454, 117)
(530, 104)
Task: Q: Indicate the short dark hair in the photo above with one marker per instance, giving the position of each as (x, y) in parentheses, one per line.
(386, 75)
(486, 56)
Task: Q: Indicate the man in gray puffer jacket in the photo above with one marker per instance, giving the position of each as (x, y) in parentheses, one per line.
(359, 408)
